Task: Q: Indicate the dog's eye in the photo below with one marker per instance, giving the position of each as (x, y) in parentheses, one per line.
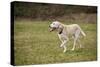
(53, 23)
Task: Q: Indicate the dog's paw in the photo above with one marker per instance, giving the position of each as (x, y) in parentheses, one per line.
(64, 51)
(72, 49)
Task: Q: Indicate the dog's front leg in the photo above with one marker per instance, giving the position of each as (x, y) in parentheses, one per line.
(63, 43)
(64, 46)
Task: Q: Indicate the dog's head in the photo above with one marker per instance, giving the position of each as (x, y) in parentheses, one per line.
(56, 25)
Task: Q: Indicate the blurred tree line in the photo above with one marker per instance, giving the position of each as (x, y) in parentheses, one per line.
(45, 11)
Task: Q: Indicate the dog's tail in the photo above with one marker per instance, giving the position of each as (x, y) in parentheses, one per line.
(82, 32)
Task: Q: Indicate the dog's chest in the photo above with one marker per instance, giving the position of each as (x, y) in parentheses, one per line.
(62, 36)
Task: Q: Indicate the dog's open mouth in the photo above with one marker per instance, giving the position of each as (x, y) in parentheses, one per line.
(52, 29)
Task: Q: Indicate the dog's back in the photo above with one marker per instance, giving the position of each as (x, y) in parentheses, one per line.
(72, 29)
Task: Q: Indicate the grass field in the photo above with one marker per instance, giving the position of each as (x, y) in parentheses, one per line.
(34, 44)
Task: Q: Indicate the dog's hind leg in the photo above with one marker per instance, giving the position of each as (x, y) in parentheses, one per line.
(80, 45)
(74, 44)
(76, 36)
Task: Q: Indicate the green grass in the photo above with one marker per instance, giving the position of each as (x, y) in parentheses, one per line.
(34, 44)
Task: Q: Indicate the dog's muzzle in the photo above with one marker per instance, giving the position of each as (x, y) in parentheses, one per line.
(51, 28)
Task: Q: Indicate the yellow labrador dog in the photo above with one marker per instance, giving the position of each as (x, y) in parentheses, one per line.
(65, 31)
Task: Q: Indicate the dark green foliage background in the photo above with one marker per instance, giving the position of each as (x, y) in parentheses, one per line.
(45, 11)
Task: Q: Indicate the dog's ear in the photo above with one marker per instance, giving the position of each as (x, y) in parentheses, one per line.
(60, 28)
